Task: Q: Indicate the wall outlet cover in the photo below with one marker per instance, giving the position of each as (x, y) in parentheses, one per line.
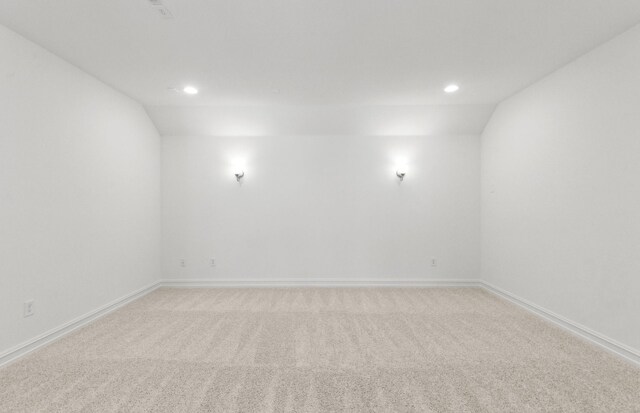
(28, 308)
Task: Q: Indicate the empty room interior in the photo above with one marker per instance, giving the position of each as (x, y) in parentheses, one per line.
(320, 206)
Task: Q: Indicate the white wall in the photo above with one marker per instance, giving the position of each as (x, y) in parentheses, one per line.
(321, 208)
(321, 120)
(561, 192)
(79, 192)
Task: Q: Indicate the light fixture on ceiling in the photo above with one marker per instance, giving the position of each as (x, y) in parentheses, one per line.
(452, 88)
(401, 172)
(190, 90)
(239, 174)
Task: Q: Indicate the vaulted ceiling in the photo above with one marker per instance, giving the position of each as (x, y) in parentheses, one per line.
(319, 66)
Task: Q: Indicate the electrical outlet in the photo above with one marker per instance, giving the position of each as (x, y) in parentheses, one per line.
(28, 308)
(212, 262)
(183, 263)
(434, 262)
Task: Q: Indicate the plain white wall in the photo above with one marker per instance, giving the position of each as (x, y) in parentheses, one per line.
(321, 208)
(79, 192)
(561, 192)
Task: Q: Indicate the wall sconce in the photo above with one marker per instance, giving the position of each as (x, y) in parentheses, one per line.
(239, 174)
(400, 173)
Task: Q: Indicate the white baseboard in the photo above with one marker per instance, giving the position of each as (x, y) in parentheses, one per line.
(212, 283)
(571, 326)
(27, 347)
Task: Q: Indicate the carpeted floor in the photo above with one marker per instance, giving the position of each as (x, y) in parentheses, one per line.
(307, 350)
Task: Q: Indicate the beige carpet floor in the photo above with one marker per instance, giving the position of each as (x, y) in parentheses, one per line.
(308, 350)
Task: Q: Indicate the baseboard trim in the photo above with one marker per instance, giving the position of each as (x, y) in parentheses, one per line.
(566, 324)
(50, 336)
(329, 283)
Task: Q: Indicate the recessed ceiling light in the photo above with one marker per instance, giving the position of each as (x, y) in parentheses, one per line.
(190, 90)
(452, 88)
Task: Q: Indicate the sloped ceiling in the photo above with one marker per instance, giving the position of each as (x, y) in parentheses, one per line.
(320, 66)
